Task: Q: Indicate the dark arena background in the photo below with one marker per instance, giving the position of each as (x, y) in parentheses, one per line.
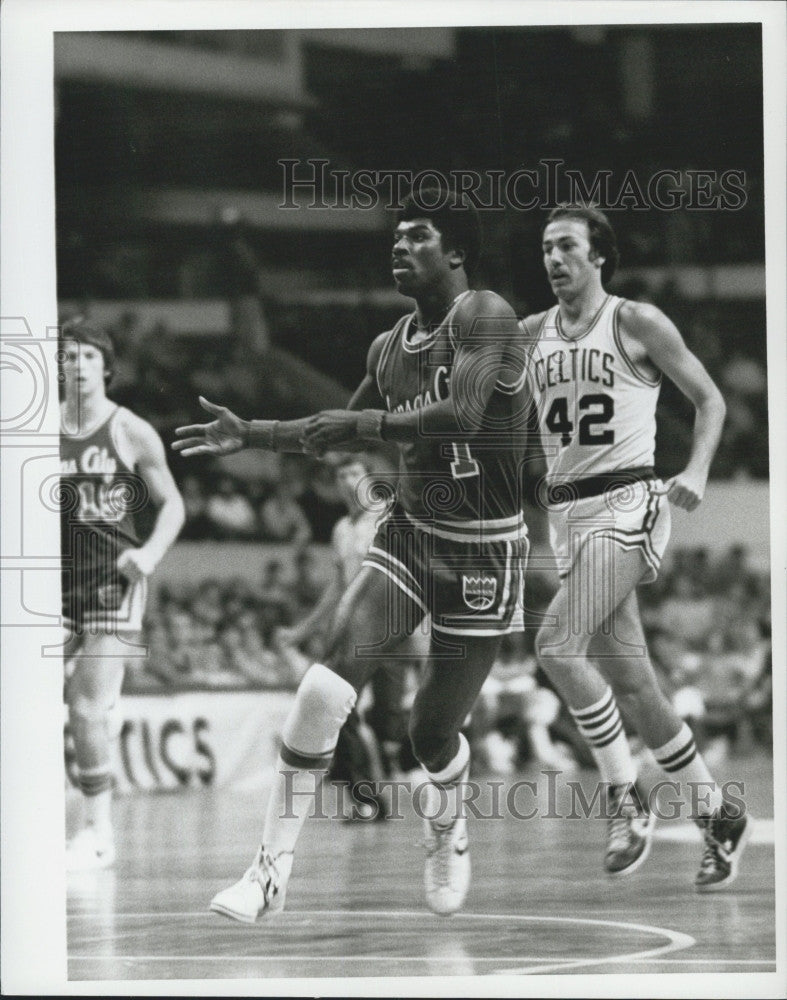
(208, 214)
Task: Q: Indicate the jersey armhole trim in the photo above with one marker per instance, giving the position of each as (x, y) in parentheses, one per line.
(623, 352)
(386, 350)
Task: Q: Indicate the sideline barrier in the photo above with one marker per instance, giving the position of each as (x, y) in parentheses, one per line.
(201, 739)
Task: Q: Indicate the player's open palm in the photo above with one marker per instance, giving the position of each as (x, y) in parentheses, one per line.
(222, 436)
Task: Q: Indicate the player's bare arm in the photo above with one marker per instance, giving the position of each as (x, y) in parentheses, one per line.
(151, 464)
(229, 433)
(659, 339)
(488, 335)
(528, 331)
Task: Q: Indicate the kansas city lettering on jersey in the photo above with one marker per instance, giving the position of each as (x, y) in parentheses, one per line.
(574, 364)
(93, 460)
(438, 391)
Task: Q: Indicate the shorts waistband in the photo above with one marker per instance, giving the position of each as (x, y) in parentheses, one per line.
(497, 530)
(593, 486)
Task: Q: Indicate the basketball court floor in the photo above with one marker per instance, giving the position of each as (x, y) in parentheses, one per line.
(539, 902)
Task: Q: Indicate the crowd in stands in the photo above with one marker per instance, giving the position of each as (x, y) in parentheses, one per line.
(160, 376)
(707, 623)
(708, 628)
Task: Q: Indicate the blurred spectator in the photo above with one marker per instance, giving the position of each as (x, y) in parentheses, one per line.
(515, 713)
(229, 512)
(198, 524)
(745, 376)
(688, 614)
(277, 605)
(309, 583)
(281, 516)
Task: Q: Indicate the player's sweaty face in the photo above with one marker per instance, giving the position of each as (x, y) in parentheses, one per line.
(82, 367)
(418, 258)
(568, 255)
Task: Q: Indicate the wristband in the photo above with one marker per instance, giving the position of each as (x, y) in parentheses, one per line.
(370, 424)
(262, 434)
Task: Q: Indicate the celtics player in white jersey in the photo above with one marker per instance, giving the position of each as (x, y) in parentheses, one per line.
(112, 465)
(595, 370)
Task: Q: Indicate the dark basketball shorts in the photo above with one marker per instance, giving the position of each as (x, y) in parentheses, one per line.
(99, 599)
(468, 577)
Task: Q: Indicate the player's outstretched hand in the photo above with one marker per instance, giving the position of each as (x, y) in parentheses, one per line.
(222, 436)
(685, 490)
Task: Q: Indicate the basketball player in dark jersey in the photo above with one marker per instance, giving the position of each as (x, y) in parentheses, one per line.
(444, 384)
(596, 364)
(112, 464)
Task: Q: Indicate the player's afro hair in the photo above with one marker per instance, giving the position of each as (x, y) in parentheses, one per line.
(452, 214)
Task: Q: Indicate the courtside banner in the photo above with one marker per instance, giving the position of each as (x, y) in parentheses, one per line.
(191, 740)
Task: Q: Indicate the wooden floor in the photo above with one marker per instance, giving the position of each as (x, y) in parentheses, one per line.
(539, 902)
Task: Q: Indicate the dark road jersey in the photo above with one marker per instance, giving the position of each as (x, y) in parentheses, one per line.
(99, 494)
(458, 488)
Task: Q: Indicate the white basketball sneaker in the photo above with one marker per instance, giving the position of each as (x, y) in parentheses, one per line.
(447, 872)
(90, 850)
(261, 890)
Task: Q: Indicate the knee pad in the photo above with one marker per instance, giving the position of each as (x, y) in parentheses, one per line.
(322, 704)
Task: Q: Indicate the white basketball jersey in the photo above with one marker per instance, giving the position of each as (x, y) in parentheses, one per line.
(351, 540)
(596, 410)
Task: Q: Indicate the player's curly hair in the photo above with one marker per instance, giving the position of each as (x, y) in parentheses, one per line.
(602, 236)
(452, 214)
(84, 332)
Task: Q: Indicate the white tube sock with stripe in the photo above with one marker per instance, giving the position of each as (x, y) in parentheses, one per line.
(682, 762)
(602, 727)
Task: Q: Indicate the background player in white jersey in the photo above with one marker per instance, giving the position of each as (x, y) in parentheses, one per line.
(446, 385)
(595, 370)
(112, 465)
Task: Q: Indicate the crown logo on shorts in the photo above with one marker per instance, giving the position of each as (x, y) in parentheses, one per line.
(479, 591)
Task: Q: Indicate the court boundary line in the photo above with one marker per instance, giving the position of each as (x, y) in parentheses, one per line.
(676, 940)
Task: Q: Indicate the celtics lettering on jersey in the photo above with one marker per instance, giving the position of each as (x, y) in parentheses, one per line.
(443, 481)
(596, 410)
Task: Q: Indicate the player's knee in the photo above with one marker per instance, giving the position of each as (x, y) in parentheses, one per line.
(86, 710)
(546, 647)
(323, 690)
(555, 650)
